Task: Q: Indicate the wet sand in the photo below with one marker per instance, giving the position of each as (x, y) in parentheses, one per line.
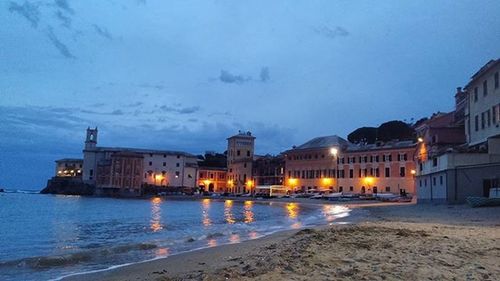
(407, 242)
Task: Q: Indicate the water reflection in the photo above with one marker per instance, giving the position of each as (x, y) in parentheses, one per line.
(212, 243)
(156, 215)
(234, 238)
(293, 210)
(249, 216)
(332, 212)
(253, 235)
(162, 252)
(206, 218)
(228, 214)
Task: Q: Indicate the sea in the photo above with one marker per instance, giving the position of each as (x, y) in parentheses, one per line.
(48, 237)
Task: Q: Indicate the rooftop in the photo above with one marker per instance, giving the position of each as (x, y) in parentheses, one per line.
(69, 160)
(142, 150)
(324, 142)
(483, 70)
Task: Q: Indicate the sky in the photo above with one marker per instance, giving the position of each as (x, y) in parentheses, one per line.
(185, 75)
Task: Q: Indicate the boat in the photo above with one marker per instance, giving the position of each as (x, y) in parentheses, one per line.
(475, 202)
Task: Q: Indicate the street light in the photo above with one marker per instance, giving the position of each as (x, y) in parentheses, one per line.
(334, 152)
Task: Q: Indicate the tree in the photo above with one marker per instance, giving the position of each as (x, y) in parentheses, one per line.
(366, 135)
(393, 130)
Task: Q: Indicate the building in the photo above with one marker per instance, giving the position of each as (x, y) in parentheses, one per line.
(212, 173)
(119, 169)
(331, 163)
(449, 169)
(69, 167)
(240, 152)
(269, 170)
(483, 111)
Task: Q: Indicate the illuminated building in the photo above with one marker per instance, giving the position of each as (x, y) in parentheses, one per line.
(240, 153)
(373, 168)
(69, 167)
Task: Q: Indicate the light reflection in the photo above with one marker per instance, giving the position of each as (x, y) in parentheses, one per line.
(253, 235)
(234, 238)
(162, 252)
(206, 218)
(332, 212)
(156, 215)
(296, 225)
(293, 210)
(249, 216)
(228, 215)
(212, 243)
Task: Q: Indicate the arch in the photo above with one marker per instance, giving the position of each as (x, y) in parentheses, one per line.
(363, 190)
(211, 187)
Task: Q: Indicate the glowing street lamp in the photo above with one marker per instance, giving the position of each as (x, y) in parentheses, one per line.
(413, 172)
(420, 139)
(334, 152)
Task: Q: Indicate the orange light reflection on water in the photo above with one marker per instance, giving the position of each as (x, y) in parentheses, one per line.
(228, 215)
(155, 221)
(162, 252)
(212, 243)
(293, 210)
(249, 215)
(234, 238)
(206, 206)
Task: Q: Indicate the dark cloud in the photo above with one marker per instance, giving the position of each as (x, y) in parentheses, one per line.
(117, 112)
(65, 20)
(179, 109)
(151, 86)
(331, 33)
(63, 4)
(227, 77)
(264, 74)
(102, 31)
(61, 47)
(28, 10)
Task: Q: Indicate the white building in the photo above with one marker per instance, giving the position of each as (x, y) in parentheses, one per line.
(483, 111)
(162, 168)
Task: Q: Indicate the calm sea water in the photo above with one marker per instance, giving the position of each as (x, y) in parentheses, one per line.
(45, 237)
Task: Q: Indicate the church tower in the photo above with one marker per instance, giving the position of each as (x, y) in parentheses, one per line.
(91, 140)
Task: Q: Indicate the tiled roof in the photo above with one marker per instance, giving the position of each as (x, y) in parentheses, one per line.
(324, 142)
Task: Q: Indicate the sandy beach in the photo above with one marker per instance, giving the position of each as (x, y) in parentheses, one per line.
(406, 242)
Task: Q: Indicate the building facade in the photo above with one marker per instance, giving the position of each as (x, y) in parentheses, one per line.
(240, 153)
(269, 170)
(118, 167)
(483, 111)
(69, 167)
(333, 164)
(213, 179)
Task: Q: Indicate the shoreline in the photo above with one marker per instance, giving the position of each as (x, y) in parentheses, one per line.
(210, 262)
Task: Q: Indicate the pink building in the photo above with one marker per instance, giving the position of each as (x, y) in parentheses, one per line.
(331, 163)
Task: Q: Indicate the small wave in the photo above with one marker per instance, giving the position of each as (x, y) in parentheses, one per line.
(45, 262)
(21, 191)
(214, 235)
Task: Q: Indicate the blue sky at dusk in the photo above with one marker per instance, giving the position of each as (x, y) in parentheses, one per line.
(184, 75)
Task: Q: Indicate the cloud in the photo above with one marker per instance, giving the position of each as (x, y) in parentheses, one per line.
(28, 10)
(117, 112)
(63, 49)
(264, 74)
(151, 86)
(331, 33)
(65, 21)
(63, 4)
(103, 32)
(180, 110)
(227, 77)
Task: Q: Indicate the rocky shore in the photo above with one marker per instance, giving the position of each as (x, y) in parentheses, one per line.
(412, 242)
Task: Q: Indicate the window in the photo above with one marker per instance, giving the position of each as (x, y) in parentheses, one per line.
(178, 156)
(434, 162)
(177, 173)
(485, 88)
(341, 188)
(248, 153)
(402, 171)
(351, 173)
(164, 155)
(434, 181)
(91, 172)
(483, 120)
(238, 153)
(476, 123)
(475, 94)
(164, 164)
(150, 163)
(177, 164)
(494, 114)
(387, 189)
(488, 117)
(387, 172)
(351, 188)
(441, 180)
(496, 80)
(377, 173)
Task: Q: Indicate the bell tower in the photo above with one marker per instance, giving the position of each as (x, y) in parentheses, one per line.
(91, 140)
